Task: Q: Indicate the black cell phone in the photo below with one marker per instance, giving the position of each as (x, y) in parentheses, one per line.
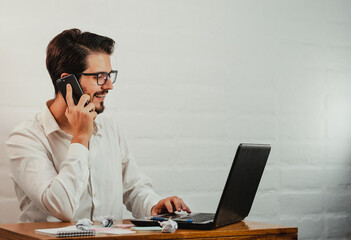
(77, 91)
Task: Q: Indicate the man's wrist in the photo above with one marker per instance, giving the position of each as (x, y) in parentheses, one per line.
(82, 139)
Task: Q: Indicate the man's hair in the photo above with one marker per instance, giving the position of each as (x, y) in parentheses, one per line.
(68, 51)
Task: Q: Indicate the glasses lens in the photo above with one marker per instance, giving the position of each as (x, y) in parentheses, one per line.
(113, 76)
(102, 78)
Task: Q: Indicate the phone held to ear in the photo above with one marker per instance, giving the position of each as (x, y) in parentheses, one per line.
(77, 91)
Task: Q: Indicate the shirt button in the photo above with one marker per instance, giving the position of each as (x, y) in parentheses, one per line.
(94, 195)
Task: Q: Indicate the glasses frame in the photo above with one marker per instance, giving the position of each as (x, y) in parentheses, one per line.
(97, 76)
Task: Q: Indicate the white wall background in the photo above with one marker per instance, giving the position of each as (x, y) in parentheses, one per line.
(197, 78)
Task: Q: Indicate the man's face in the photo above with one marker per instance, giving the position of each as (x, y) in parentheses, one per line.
(97, 62)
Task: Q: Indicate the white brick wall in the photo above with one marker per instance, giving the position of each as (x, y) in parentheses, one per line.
(196, 79)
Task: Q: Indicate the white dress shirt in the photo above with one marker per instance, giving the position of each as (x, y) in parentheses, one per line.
(58, 180)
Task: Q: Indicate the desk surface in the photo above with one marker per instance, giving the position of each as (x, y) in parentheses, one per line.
(241, 230)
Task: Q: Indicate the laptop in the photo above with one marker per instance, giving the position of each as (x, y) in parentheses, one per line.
(237, 197)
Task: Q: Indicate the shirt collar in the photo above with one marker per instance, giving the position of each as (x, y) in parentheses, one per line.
(48, 121)
(50, 125)
(98, 125)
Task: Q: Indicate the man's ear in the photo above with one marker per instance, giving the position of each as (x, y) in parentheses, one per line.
(64, 75)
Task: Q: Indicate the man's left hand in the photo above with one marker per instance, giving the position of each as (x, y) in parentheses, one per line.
(169, 205)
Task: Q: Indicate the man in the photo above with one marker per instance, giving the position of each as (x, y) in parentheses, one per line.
(70, 162)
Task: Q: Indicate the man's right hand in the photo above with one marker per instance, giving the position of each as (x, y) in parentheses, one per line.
(80, 117)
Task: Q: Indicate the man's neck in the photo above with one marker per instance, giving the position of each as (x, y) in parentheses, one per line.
(58, 109)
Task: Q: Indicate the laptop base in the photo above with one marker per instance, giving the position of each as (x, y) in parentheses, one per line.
(181, 224)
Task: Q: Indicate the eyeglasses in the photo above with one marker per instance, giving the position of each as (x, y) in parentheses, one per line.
(101, 77)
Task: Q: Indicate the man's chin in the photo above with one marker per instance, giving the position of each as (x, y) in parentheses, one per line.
(100, 109)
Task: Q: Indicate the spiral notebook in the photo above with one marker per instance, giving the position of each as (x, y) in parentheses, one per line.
(70, 231)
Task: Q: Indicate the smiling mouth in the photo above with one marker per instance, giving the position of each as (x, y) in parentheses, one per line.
(100, 95)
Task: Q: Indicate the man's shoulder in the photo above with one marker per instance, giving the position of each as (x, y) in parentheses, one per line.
(30, 124)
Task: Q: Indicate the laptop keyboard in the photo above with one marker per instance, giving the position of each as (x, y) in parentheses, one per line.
(200, 217)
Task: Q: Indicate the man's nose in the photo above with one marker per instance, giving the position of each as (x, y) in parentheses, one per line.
(108, 85)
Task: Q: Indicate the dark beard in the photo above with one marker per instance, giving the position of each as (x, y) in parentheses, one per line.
(101, 109)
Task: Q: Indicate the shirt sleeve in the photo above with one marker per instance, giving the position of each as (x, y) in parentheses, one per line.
(56, 193)
(138, 195)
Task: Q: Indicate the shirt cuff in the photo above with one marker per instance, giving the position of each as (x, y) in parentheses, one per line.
(77, 151)
(155, 199)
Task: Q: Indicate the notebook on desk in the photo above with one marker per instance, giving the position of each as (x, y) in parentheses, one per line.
(237, 196)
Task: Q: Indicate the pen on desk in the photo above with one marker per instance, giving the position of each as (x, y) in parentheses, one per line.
(186, 220)
(157, 218)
